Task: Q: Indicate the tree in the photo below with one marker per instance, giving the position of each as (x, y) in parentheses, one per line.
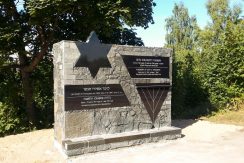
(182, 30)
(220, 13)
(31, 31)
(222, 52)
(182, 36)
(208, 64)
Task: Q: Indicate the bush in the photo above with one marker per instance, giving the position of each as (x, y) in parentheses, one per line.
(189, 99)
(11, 120)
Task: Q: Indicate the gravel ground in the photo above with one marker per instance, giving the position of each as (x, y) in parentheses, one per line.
(202, 142)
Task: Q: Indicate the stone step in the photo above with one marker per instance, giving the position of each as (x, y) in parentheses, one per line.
(95, 143)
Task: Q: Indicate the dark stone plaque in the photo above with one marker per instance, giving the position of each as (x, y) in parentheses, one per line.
(82, 97)
(153, 96)
(147, 66)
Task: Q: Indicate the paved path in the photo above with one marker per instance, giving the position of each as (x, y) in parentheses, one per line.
(203, 142)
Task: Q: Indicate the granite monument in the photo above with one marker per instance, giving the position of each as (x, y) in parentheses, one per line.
(109, 96)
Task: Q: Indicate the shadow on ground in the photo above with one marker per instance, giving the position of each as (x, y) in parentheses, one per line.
(183, 123)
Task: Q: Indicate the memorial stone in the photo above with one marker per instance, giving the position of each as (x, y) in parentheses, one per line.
(109, 96)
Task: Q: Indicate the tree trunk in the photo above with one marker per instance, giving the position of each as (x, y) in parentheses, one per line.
(28, 95)
(26, 67)
(28, 91)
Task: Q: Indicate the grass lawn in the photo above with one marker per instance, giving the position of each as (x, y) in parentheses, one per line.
(228, 117)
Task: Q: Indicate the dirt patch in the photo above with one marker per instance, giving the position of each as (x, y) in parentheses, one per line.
(37, 146)
(228, 117)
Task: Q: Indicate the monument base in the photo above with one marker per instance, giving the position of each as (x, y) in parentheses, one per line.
(91, 144)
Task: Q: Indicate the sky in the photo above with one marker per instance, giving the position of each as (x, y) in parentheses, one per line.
(155, 34)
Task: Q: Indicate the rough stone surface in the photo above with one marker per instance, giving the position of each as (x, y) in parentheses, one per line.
(75, 124)
(78, 123)
(113, 141)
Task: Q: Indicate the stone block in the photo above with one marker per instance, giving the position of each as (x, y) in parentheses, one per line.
(58, 135)
(69, 145)
(168, 102)
(119, 145)
(128, 137)
(78, 124)
(96, 142)
(112, 81)
(103, 147)
(113, 141)
(137, 142)
(92, 149)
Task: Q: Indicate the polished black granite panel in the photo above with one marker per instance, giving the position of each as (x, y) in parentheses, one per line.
(153, 96)
(83, 97)
(147, 66)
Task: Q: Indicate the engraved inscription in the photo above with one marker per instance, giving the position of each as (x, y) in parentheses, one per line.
(147, 66)
(80, 97)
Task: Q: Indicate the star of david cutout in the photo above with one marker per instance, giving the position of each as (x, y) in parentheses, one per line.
(93, 54)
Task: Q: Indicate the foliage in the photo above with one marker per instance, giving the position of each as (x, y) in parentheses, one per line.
(29, 32)
(208, 64)
(11, 120)
(43, 93)
(222, 51)
(224, 78)
(182, 36)
(189, 99)
(182, 30)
